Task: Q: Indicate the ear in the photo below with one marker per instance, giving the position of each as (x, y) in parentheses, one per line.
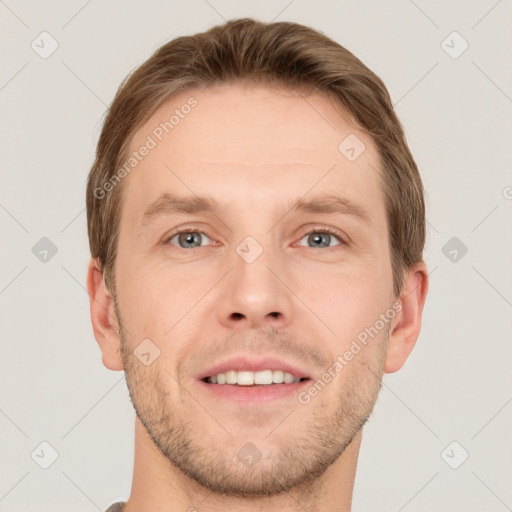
(104, 322)
(406, 326)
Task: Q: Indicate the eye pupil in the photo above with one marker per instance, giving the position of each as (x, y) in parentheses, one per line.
(187, 240)
(316, 239)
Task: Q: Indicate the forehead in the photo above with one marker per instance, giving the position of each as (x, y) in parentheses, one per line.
(254, 143)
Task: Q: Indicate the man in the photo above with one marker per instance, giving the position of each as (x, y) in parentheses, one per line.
(256, 224)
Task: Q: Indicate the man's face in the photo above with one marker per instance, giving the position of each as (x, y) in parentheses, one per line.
(257, 284)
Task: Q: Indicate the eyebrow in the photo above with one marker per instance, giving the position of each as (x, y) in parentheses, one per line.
(169, 204)
(333, 205)
(172, 204)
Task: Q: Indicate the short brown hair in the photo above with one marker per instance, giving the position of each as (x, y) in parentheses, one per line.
(286, 54)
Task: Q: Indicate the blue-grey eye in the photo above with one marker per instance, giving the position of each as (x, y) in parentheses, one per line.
(321, 239)
(189, 239)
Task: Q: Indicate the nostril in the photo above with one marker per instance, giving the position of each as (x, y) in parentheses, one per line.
(237, 316)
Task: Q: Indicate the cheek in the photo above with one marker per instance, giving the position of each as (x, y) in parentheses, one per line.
(158, 300)
(351, 305)
(346, 298)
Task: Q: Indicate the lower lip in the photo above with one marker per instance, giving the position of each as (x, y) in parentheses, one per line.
(252, 394)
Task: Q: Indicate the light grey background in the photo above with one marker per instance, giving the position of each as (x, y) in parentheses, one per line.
(456, 386)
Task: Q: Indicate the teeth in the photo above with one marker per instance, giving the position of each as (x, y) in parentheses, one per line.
(288, 378)
(277, 376)
(231, 377)
(244, 378)
(263, 377)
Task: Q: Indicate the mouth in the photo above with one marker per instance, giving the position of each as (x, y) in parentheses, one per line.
(245, 379)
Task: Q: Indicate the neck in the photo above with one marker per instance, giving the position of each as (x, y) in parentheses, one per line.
(159, 486)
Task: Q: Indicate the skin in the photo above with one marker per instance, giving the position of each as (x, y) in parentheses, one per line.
(256, 150)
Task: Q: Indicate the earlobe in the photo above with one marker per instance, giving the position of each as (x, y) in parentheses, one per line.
(103, 318)
(405, 331)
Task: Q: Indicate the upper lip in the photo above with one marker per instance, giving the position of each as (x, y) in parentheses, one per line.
(253, 364)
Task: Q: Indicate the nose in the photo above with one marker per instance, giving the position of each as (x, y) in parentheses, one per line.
(255, 294)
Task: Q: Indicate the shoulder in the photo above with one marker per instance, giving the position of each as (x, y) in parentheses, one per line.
(116, 507)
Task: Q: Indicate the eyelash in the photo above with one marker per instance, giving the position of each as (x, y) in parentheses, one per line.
(329, 231)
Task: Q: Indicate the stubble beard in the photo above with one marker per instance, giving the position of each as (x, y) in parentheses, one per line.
(291, 463)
